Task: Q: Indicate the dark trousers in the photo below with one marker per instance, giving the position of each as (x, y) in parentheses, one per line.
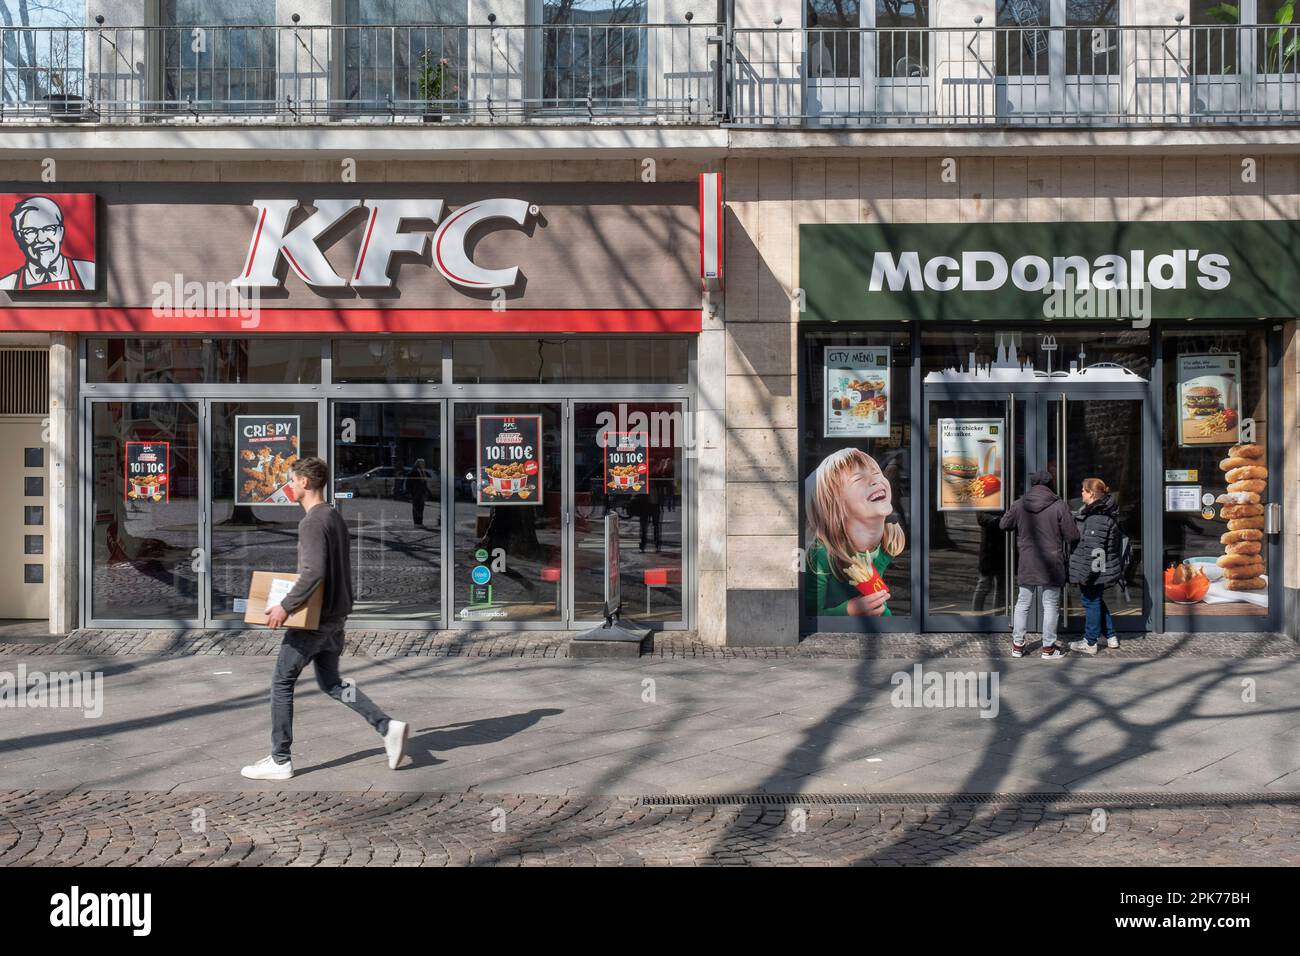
(321, 648)
(417, 509)
(1096, 615)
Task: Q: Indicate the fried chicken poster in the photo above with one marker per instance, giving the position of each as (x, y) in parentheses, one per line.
(266, 449)
(510, 459)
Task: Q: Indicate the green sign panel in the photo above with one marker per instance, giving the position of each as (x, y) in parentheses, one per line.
(1068, 271)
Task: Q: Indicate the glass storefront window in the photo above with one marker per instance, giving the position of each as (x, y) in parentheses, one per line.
(266, 361)
(573, 360)
(521, 544)
(857, 487)
(143, 546)
(388, 487)
(648, 503)
(983, 354)
(1215, 561)
(252, 537)
(256, 361)
(371, 361)
(146, 361)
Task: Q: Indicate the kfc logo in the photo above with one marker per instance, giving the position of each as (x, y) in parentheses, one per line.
(392, 227)
(53, 248)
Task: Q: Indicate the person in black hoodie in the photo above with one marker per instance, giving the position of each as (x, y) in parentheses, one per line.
(1043, 523)
(1095, 563)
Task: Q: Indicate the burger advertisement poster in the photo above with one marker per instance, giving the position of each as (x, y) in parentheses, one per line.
(509, 459)
(971, 452)
(1209, 399)
(857, 392)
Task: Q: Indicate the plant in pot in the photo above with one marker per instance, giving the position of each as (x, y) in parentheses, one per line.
(433, 80)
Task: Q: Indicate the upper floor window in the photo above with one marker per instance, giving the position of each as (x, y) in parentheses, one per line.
(593, 48)
(1219, 43)
(895, 33)
(1091, 40)
(43, 63)
(216, 55)
(407, 52)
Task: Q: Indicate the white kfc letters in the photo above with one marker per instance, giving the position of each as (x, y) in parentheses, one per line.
(392, 227)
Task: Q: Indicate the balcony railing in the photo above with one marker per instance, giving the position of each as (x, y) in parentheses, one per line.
(1016, 76)
(480, 73)
(688, 72)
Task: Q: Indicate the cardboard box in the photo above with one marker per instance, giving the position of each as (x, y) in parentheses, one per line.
(277, 583)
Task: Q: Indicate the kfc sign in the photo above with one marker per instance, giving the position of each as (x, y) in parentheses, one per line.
(392, 227)
(50, 243)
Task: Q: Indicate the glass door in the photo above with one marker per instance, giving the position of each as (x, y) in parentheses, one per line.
(388, 487)
(976, 463)
(628, 460)
(508, 513)
(1102, 438)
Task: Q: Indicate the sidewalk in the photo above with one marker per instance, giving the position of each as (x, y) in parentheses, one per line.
(663, 725)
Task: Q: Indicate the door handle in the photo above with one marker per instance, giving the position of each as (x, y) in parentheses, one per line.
(1273, 518)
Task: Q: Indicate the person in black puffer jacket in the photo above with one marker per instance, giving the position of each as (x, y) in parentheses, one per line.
(1095, 563)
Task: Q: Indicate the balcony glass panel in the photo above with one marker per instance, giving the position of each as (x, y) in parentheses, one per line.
(1022, 50)
(596, 49)
(902, 38)
(43, 59)
(834, 45)
(1091, 49)
(406, 55)
(216, 57)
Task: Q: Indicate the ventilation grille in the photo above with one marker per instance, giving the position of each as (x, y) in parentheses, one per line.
(24, 381)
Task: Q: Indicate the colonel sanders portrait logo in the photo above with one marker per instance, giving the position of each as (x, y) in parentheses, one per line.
(53, 243)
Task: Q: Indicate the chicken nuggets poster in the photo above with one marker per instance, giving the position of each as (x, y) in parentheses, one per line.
(510, 459)
(266, 448)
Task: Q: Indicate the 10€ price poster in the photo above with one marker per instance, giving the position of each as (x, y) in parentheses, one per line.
(148, 471)
(857, 392)
(509, 459)
(971, 452)
(627, 463)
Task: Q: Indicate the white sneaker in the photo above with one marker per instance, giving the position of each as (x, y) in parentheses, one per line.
(1113, 642)
(1083, 647)
(395, 742)
(268, 769)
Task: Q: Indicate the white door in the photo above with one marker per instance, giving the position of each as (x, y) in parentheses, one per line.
(24, 520)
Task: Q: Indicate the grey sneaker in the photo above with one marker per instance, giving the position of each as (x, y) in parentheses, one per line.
(1052, 653)
(268, 769)
(1113, 642)
(395, 742)
(1083, 647)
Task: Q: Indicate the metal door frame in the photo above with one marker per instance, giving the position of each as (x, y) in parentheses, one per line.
(1036, 396)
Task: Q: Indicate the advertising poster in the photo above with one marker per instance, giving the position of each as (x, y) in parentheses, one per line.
(266, 448)
(148, 471)
(853, 559)
(971, 453)
(857, 392)
(50, 245)
(1209, 399)
(509, 459)
(626, 461)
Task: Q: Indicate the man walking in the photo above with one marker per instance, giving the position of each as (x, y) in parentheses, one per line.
(323, 562)
(1043, 525)
(417, 487)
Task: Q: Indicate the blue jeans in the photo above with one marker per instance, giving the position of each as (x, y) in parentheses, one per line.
(1096, 615)
(321, 648)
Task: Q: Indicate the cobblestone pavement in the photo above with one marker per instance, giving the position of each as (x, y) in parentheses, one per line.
(125, 828)
(535, 644)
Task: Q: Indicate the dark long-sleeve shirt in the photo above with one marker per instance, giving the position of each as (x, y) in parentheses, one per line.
(324, 560)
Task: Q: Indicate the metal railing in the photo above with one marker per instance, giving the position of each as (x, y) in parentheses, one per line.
(688, 72)
(1016, 76)
(458, 72)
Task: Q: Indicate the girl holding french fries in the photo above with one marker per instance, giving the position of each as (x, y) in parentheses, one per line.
(852, 543)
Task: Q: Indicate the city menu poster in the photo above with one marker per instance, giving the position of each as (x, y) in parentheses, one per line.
(626, 461)
(857, 392)
(510, 459)
(148, 471)
(266, 448)
(1209, 399)
(971, 452)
